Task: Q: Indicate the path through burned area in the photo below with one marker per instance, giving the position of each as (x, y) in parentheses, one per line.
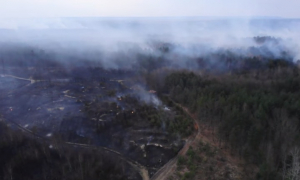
(97, 107)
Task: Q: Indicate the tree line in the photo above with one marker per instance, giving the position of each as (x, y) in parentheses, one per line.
(255, 113)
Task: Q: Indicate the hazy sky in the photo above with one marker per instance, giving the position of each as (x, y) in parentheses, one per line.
(76, 8)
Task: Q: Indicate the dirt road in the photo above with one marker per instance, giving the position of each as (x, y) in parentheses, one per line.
(15, 77)
(20, 78)
(169, 168)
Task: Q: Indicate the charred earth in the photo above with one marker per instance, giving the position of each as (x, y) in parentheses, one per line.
(93, 108)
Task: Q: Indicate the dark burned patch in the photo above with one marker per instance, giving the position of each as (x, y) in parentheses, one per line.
(96, 107)
(26, 158)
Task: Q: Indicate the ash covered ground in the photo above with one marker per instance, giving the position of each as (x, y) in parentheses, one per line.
(93, 106)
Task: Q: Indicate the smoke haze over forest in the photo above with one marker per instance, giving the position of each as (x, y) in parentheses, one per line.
(105, 39)
(156, 91)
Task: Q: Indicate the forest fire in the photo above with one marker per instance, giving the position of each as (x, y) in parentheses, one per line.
(119, 99)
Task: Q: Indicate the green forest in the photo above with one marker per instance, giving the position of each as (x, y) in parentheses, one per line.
(256, 113)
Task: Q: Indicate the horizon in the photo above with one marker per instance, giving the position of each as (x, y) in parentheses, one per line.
(147, 8)
(161, 17)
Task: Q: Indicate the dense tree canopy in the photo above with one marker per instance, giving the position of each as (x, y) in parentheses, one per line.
(256, 112)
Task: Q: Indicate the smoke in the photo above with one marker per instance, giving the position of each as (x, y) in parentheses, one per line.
(126, 42)
(146, 96)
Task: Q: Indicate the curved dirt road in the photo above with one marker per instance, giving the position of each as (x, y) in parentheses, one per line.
(169, 168)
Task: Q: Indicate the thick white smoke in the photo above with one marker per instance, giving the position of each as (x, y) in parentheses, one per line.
(100, 39)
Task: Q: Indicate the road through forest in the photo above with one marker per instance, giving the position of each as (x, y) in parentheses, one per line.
(169, 168)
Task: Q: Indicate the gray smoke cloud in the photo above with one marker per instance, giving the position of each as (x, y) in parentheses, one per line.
(117, 42)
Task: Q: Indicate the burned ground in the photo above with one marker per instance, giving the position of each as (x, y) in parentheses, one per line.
(96, 107)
